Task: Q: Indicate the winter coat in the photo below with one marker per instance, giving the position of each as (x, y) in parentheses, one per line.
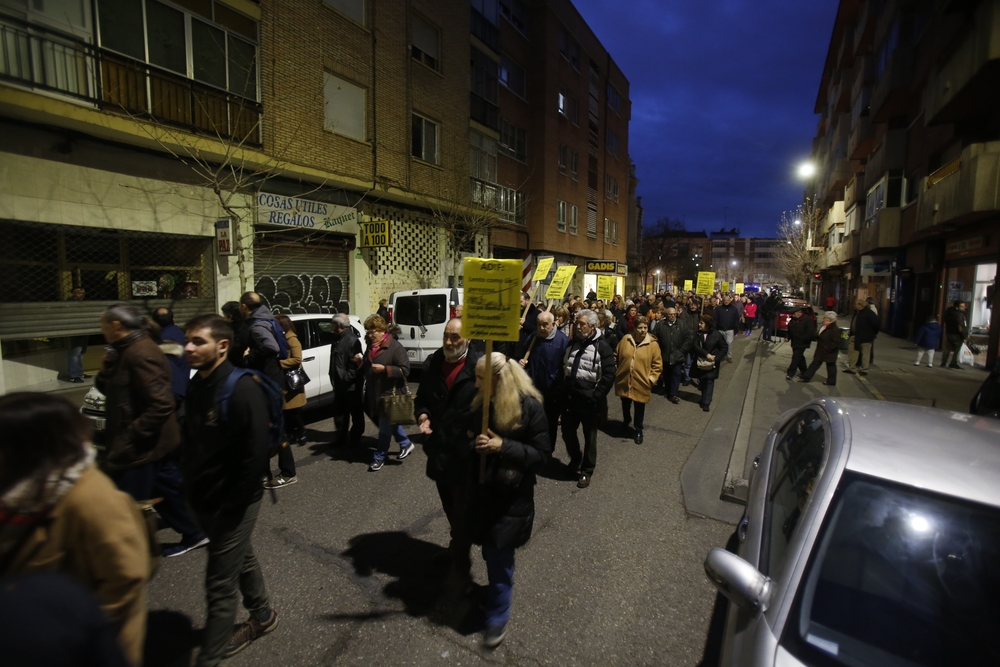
(929, 336)
(180, 370)
(588, 373)
(639, 367)
(610, 334)
(503, 515)
(727, 318)
(343, 370)
(141, 424)
(864, 326)
(955, 323)
(770, 306)
(263, 345)
(689, 319)
(750, 310)
(296, 399)
(97, 535)
(390, 354)
(545, 361)
(801, 332)
(827, 344)
(447, 447)
(674, 342)
(714, 344)
(625, 325)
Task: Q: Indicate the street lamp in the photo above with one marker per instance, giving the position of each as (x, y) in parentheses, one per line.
(797, 221)
(807, 170)
(656, 288)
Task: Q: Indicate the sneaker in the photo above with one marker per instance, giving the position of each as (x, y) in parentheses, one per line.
(915, 364)
(280, 481)
(76, 380)
(405, 451)
(376, 466)
(789, 378)
(249, 631)
(494, 635)
(930, 365)
(956, 367)
(182, 548)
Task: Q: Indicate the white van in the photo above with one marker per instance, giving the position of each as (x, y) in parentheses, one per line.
(421, 315)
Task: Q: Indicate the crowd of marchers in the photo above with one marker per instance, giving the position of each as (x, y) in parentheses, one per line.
(200, 447)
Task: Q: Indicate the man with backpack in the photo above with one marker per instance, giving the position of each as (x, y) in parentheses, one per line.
(232, 416)
(267, 344)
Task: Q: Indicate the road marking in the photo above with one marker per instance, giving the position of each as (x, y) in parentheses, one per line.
(870, 389)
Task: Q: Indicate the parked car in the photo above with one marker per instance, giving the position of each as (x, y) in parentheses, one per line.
(315, 332)
(784, 315)
(421, 316)
(871, 537)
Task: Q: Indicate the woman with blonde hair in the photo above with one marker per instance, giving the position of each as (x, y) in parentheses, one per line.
(516, 445)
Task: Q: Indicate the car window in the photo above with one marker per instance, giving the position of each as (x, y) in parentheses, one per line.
(420, 310)
(796, 463)
(322, 332)
(302, 331)
(900, 577)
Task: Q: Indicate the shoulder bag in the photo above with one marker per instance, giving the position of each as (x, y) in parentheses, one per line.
(705, 364)
(295, 379)
(398, 407)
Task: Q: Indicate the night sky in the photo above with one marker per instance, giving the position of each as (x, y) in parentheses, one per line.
(722, 94)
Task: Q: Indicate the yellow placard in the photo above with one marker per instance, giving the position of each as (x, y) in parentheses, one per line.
(706, 282)
(560, 282)
(542, 270)
(725, 286)
(605, 288)
(374, 234)
(739, 288)
(688, 285)
(492, 304)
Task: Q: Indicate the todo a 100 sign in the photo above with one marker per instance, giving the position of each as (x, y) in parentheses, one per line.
(375, 234)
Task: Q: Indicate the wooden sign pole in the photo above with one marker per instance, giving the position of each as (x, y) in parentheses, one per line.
(487, 390)
(527, 354)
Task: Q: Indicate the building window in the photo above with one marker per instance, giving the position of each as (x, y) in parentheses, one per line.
(425, 139)
(568, 105)
(569, 49)
(512, 76)
(614, 99)
(510, 205)
(482, 157)
(611, 187)
(425, 43)
(613, 144)
(343, 107)
(513, 140)
(484, 76)
(574, 164)
(353, 9)
(591, 221)
(561, 220)
(563, 158)
(614, 233)
(574, 219)
(516, 15)
(607, 231)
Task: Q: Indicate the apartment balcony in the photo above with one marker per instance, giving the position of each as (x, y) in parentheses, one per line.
(485, 31)
(838, 175)
(892, 95)
(41, 60)
(854, 191)
(845, 54)
(882, 232)
(966, 85)
(862, 139)
(889, 155)
(864, 29)
(864, 77)
(483, 112)
(964, 190)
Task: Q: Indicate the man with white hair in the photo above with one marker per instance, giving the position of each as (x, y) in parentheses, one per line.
(542, 358)
(587, 375)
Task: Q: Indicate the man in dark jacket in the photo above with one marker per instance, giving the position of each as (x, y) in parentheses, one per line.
(172, 335)
(441, 407)
(727, 319)
(956, 331)
(348, 388)
(864, 328)
(767, 311)
(827, 349)
(542, 358)
(264, 349)
(801, 332)
(224, 461)
(142, 428)
(587, 375)
(529, 317)
(675, 341)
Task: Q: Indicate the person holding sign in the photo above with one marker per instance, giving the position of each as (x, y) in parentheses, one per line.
(587, 376)
(502, 512)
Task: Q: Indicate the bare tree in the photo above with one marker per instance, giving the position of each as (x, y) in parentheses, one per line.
(800, 253)
(662, 249)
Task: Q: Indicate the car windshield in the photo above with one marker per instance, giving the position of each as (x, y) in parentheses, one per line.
(422, 310)
(901, 577)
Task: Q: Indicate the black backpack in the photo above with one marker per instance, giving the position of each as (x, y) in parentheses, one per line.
(275, 401)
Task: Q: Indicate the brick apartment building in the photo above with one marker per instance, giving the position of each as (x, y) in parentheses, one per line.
(115, 116)
(733, 259)
(908, 157)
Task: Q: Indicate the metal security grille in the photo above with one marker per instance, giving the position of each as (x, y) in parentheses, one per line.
(296, 279)
(41, 264)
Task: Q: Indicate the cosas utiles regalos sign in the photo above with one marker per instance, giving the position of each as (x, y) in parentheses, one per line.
(294, 212)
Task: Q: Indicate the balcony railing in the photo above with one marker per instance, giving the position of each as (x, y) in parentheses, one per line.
(963, 190)
(484, 112)
(484, 30)
(882, 232)
(44, 60)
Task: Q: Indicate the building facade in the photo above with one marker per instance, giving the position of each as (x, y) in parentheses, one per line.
(908, 157)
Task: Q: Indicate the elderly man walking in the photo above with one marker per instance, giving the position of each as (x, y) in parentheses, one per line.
(727, 319)
(542, 359)
(864, 328)
(588, 373)
(675, 340)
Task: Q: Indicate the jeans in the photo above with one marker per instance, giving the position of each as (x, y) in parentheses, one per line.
(348, 408)
(707, 389)
(162, 479)
(232, 568)
(570, 422)
(798, 362)
(77, 348)
(675, 372)
(500, 571)
(640, 412)
(831, 371)
(386, 432)
(687, 367)
(920, 355)
(853, 352)
(728, 334)
(768, 330)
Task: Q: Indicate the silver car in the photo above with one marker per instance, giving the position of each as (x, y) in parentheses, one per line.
(871, 537)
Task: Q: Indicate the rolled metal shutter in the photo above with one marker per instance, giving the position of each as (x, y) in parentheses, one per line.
(296, 279)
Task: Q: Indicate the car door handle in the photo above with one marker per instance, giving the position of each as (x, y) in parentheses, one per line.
(308, 359)
(741, 530)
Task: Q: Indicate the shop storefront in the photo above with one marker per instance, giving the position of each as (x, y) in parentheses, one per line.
(603, 267)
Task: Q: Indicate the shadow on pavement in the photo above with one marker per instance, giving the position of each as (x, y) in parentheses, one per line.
(420, 571)
(360, 453)
(170, 639)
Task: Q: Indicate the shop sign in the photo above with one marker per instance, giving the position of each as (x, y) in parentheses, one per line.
(375, 234)
(224, 237)
(143, 288)
(601, 266)
(294, 212)
(964, 245)
(622, 270)
(955, 290)
(876, 266)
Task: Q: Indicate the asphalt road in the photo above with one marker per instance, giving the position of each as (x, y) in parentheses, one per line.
(612, 575)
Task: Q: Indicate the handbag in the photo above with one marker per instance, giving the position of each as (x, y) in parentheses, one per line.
(705, 364)
(295, 379)
(398, 407)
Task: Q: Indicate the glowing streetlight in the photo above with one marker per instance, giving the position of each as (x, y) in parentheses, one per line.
(797, 221)
(807, 170)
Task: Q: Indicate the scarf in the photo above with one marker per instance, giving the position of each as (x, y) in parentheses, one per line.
(28, 502)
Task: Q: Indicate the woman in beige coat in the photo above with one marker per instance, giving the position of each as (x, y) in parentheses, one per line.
(295, 428)
(639, 367)
(59, 513)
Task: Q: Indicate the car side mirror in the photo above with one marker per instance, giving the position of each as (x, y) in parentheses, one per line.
(738, 580)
